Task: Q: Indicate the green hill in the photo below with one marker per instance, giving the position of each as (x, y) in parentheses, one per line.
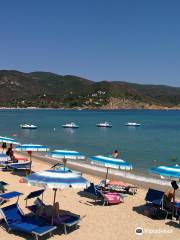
(45, 89)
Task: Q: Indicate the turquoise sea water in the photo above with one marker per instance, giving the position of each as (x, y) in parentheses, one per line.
(158, 138)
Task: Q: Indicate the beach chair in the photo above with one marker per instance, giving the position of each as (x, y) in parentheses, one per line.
(92, 190)
(154, 201)
(65, 218)
(105, 196)
(20, 165)
(110, 198)
(154, 197)
(119, 186)
(17, 221)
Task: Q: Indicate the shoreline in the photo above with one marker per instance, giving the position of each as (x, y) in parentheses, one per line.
(142, 182)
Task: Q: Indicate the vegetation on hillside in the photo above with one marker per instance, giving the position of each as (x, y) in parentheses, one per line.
(45, 89)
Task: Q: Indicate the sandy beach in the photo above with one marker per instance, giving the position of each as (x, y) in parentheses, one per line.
(98, 222)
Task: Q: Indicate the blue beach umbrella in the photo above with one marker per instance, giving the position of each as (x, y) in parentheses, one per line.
(66, 154)
(31, 148)
(166, 171)
(8, 140)
(4, 158)
(56, 179)
(110, 162)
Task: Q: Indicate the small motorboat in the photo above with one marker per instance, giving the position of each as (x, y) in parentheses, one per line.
(105, 124)
(70, 125)
(28, 126)
(132, 124)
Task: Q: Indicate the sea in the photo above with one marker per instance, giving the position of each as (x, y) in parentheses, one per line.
(155, 142)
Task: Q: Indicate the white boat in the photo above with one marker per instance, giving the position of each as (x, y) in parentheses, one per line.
(70, 125)
(105, 124)
(133, 124)
(28, 126)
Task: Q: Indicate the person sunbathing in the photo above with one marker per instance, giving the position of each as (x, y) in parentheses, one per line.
(47, 210)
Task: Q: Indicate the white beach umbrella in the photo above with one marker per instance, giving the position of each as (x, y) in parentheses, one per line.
(8, 140)
(31, 148)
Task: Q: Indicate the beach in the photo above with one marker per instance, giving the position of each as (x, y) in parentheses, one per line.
(98, 222)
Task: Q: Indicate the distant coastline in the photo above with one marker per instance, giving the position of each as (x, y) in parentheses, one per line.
(80, 109)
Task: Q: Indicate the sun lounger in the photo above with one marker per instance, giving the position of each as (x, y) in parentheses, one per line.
(110, 198)
(65, 218)
(20, 165)
(119, 186)
(18, 222)
(106, 197)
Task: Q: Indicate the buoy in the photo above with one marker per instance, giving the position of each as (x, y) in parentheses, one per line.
(14, 134)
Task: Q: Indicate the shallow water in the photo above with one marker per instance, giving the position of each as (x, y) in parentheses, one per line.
(158, 138)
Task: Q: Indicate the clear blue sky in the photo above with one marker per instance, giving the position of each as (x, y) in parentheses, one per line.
(129, 40)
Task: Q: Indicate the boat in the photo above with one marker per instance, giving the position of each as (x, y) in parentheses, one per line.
(105, 124)
(28, 126)
(70, 125)
(133, 124)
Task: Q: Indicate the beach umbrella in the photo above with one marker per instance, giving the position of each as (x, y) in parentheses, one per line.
(56, 179)
(110, 162)
(4, 158)
(166, 171)
(29, 148)
(8, 140)
(66, 154)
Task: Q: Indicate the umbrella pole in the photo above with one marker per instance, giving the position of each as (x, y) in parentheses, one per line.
(55, 191)
(107, 173)
(54, 200)
(30, 164)
(64, 162)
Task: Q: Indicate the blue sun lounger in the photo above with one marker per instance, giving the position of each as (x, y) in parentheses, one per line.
(66, 219)
(18, 222)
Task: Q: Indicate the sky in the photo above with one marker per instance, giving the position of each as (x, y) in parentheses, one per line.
(115, 40)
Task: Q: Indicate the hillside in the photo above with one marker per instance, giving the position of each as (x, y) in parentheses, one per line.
(45, 89)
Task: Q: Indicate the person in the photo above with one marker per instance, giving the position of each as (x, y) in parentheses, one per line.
(47, 210)
(10, 153)
(4, 146)
(115, 154)
(169, 197)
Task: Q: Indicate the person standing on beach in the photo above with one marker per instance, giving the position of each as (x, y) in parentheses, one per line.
(4, 146)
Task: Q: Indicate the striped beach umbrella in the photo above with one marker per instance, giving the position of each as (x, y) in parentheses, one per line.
(8, 140)
(4, 158)
(64, 155)
(31, 148)
(56, 179)
(110, 162)
(166, 171)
